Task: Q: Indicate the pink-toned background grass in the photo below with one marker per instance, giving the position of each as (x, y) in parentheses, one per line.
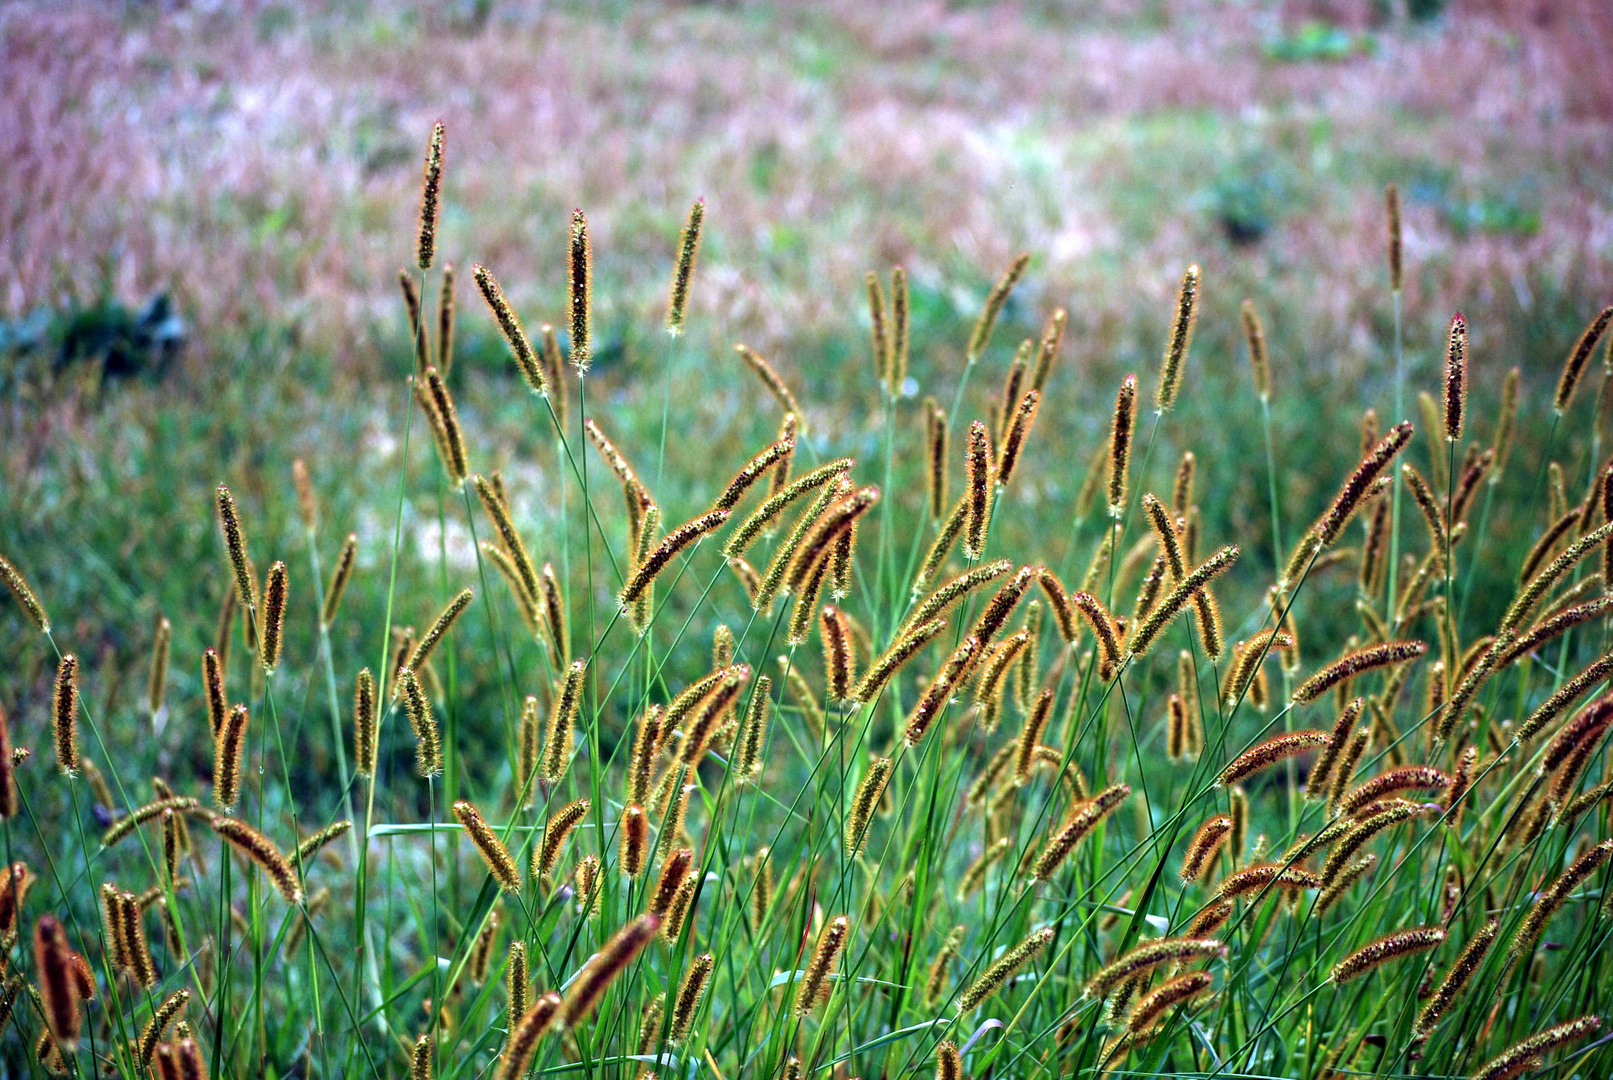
(263, 162)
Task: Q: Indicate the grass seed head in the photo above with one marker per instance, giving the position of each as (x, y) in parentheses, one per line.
(430, 197)
(688, 251)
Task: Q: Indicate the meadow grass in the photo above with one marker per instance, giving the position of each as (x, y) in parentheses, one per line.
(978, 870)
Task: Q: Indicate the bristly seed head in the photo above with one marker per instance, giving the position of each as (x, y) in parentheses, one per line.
(430, 196)
(1181, 339)
(579, 288)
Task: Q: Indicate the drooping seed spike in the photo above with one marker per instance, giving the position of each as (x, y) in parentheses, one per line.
(1203, 848)
(1578, 357)
(428, 744)
(1525, 1055)
(1019, 425)
(1391, 947)
(1082, 819)
(897, 368)
(497, 857)
(526, 360)
(524, 1036)
(980, 336)
(52, 964)
(235, 548)
(666, 551)
(1391, 198)
(773, 381)
(1148, 956)
(1268, 753)
(998, 974)
(1353, 664)
(261, 851)
(25, 595)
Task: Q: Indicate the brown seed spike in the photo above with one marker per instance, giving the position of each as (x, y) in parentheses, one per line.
(439, 629)
(235, 547)
(597, 974)
(980, 336)
(754, 470)
(579, 287)
(1048, 350)
(258, 848)
(430, 196)
(339, 578)
(1269, 753)
(1466, 965)
(980, 485)
(524, 1036)
(1524, 1056)
(64, 714)
(1578, 357)
(998, 974)
(1202, 849)
(364, 744)
(520, 347)
(1083, 818)
(1255, 335)
(1391, 198)
(161, 1017)
(1455, 378)
(25, 595)
(494, 853)
(935, 444)
(445, 321)
(137, 946)
(673, 871)
(8, 780)
(1358, 485)
(773, 381)
(1120, 435)
(839, 655)
(1391, 947)
(897, 369)
(666, 551)
(1181, 339)
(690, 992)
(688, 251)
(1356, 663)
(556, 830)
(635, 840)
(52, 962)
(271, 634)
(1019, 425)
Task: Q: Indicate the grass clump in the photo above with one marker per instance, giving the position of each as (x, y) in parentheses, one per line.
(834, 870)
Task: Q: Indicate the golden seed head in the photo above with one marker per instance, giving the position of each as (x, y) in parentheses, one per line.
(688, 251)
(1578, 357)
(520, 347)
(25, 595)
(492, 849)
(980, 336)
(1255, 335)
(999, 973)
(1181, 339)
